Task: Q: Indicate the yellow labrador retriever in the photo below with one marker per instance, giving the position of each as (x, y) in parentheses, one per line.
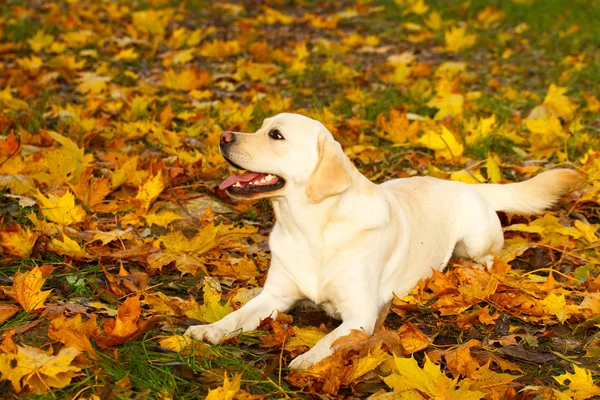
(346, 243)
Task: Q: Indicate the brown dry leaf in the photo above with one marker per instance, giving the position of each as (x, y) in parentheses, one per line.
(125, 283)
(27, 289)
(241, 269)
(324, 376)
(6, 312)
(389, 340)
(279, 330)
(459, 359)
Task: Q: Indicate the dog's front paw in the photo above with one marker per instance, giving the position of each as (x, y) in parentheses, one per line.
(307, 359)
(211, 333)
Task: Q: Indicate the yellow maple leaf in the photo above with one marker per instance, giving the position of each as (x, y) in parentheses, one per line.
(429, 381)
(366, 364)
(150, 21)
(125, 173)
(547, 135)
(417, 7)
(489, 15)
(40, 41)
(592, 301)
(127, 54)
(27, 289)
(412, 338)
(32, 62)
(19, 242)
(433, 20)
(148, 192)
(556, 304)
(69, 161)
(298, 64)
(162, 304)
(448, 104)
(33, 368)
(445, 144)
(220, 48)
(177, 343)
(67, 62)
(271, 16)
(61, 210)
(397, 128)
(493, 169)
(303, 337)
(187, 80)
(211, 310)
(457, 39)
(92, 83)
(581, 385)
(227, 391)
(483, 378)
(478, 130)
(560, 104)
(68, 247)
(593, 104)
(163, 218)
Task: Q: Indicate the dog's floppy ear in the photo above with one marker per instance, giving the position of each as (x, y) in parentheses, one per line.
(331, 176)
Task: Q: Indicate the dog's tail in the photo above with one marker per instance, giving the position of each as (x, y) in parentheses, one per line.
(532, 196)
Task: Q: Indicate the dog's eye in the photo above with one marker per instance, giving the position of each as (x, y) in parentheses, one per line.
(275, 134)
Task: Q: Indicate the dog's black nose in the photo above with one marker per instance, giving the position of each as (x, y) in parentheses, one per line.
(227, 137)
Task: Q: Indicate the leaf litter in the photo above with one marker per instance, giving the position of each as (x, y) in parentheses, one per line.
(114, 235)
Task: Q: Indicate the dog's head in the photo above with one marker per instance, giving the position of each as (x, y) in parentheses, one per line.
(288, 151)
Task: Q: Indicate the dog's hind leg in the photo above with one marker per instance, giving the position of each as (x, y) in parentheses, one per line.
(482, 237)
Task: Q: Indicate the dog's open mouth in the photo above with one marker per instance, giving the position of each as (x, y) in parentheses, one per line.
(251, 182)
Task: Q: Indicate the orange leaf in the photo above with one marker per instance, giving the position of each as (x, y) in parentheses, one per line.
(72, 332)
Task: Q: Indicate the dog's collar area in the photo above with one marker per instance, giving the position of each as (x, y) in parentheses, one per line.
(251, 182)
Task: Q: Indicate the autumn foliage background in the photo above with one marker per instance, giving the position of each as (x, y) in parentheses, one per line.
(114, 236)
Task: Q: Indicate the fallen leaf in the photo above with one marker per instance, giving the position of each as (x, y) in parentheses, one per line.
(27, 289)
(6, 312)
(61, 210)
(32, 368)
(211, 309)
(581, 385)
(429, 381)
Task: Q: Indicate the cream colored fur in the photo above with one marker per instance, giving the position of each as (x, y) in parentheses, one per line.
(348, 244)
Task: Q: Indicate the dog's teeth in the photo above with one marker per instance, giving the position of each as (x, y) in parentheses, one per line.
(237, 184)
(269, 177)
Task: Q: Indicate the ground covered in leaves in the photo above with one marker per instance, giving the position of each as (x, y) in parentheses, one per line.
(114, 236)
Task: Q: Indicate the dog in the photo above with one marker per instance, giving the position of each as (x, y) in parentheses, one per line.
(348, 244)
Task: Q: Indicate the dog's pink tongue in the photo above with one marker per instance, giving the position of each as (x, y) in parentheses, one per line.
(232, 180)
